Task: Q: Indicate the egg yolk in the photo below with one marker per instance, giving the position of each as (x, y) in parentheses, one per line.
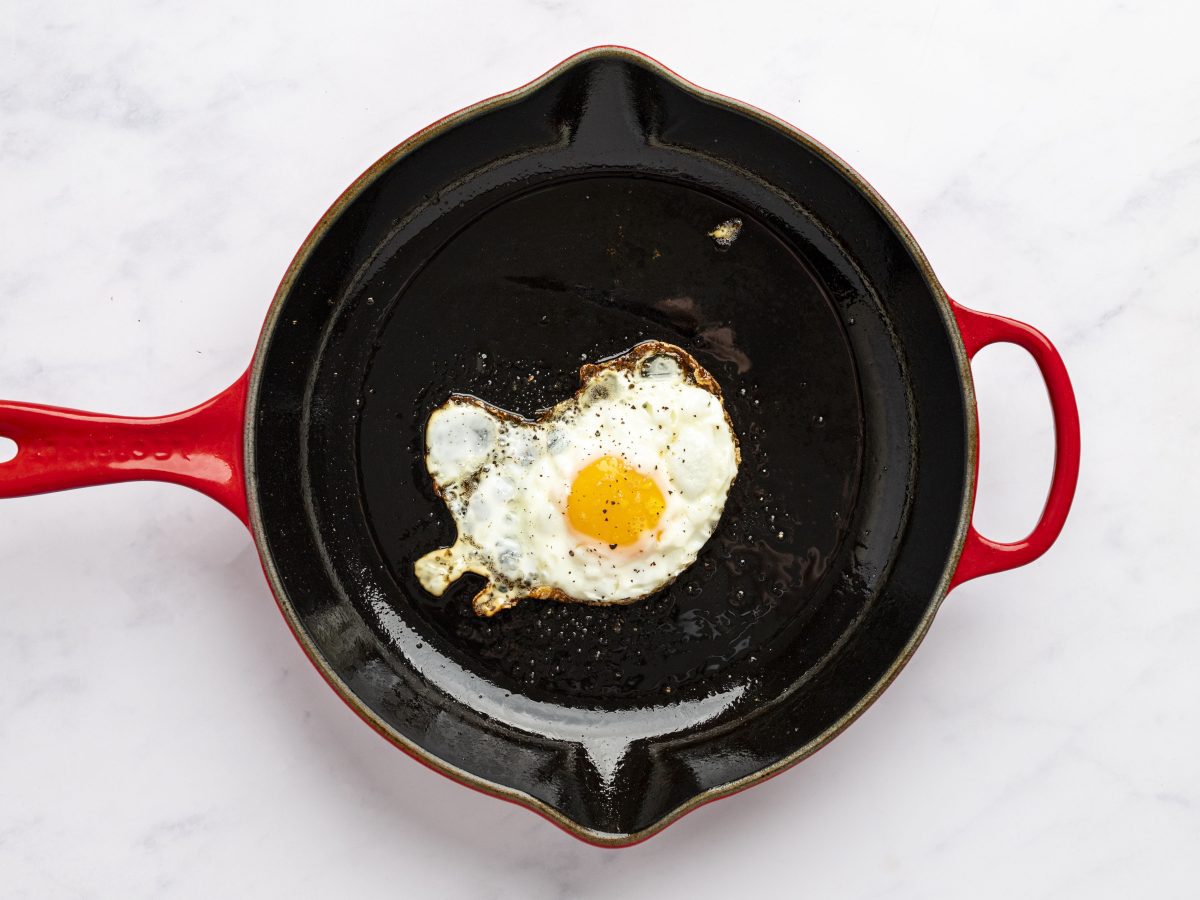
(613, 502)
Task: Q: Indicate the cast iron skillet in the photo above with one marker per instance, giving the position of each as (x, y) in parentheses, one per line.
(494, 252)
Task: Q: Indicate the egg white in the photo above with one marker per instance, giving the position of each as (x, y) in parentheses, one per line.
(506, 480)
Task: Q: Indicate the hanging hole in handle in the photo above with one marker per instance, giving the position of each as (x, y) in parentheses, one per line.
(1016, 442)
(8, 449)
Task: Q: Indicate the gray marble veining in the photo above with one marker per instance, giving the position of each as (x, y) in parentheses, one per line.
(161, 735)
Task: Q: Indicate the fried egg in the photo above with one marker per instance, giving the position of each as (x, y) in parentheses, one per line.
(605, 498)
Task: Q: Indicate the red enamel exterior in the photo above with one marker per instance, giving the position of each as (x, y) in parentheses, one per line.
(58, 449)
(202, 448)
(983, 556)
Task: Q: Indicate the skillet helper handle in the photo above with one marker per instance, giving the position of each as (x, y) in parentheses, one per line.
(981, 555)
(59, 449)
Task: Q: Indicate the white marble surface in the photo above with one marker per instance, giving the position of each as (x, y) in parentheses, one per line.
(161, 734)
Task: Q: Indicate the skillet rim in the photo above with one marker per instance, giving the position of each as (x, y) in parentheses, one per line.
(258, 530)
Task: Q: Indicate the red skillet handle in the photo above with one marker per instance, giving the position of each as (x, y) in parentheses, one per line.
(982, 556)
(58, 449)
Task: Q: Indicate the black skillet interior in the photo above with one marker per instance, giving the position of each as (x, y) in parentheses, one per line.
(567, 225)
